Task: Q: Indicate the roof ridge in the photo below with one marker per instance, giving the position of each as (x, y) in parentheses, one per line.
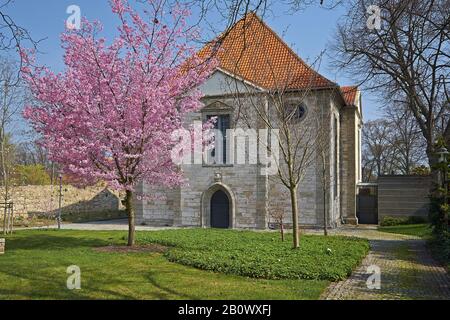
(266, 49)
(291, 51)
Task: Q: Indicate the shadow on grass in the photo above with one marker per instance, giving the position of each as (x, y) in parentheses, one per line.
(58, 291)
(166, 290)
(47, 241)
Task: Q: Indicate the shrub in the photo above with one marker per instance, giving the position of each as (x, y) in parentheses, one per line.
(397, 221)
(31, 175)
(440, 211)
(261, 254)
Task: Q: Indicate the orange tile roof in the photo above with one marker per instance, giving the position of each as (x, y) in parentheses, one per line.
(349, 94)
(254, 52)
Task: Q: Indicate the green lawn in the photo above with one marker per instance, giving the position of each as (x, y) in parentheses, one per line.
(419, 230)
(262, 254)
(35, 263)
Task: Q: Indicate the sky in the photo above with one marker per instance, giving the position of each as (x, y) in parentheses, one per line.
(308, 32)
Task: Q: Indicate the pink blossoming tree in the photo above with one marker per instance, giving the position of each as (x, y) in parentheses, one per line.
(110, 115)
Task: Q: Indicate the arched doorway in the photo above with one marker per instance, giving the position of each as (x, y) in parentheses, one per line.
(220, 210)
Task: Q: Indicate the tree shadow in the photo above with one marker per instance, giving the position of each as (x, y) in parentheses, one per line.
(167, 291)
(47, 241)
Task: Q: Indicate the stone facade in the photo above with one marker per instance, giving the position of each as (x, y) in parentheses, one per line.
(252, 195)
(351, 123)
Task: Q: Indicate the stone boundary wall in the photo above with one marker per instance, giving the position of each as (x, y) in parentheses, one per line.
(403, 196)
(78, 204)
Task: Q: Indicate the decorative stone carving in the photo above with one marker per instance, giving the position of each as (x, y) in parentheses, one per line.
(217, 106)
(217, 177)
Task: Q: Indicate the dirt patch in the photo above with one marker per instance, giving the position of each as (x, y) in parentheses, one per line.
(135, 249)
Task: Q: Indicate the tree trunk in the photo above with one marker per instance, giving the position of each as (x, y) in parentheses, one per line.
(324, 189)
(131, 221)
(432, 161)
(294, 205)
(6, 221)
(325, 220)
(282, 229)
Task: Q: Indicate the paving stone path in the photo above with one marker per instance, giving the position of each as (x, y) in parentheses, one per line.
(407, 270)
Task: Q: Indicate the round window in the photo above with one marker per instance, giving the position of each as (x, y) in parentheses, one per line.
(300, 112)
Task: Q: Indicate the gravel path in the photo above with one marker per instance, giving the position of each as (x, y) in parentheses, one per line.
(108, 225)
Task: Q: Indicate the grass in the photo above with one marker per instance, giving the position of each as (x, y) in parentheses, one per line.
(35, 263)
(261, 254)
(419, 230)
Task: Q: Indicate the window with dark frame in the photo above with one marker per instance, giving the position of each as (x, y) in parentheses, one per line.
(220, 148)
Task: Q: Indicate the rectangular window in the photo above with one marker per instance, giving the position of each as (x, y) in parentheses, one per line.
(219, 152)
(335, 134)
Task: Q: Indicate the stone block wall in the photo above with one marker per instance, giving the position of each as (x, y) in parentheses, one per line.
(160, 211)
(78, 204)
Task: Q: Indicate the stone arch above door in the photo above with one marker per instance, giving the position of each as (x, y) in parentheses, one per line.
(206, 204)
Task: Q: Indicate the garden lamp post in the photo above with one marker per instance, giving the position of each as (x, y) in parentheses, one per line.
(442, 153)
(60, 201)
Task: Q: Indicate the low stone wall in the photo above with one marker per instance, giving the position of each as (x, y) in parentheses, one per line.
(78, 204)
(403, 196)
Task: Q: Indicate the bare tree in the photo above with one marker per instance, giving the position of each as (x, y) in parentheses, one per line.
(392, 144)
(368, 166)
(408, 145)
(377, 147)
(32, 153)
(13, 36)
(323, 148)
(278, 111)
(12, 98)
(225, 13)
(278, 216)
(406, 59)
